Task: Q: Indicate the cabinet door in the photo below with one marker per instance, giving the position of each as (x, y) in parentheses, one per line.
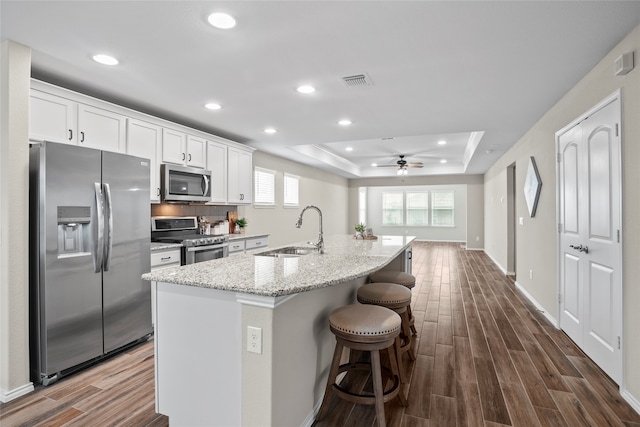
(196, 152)
(52, 118)
(239, 176)
(174, 144)
(143, 140)
(101, 129)
(217, 164)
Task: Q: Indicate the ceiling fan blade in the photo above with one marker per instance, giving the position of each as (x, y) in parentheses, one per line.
(387, 166)
(415, 164)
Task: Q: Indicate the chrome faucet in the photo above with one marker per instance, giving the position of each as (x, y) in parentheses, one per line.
(320, 244)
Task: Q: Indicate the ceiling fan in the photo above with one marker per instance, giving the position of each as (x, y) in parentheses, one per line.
(402, 165)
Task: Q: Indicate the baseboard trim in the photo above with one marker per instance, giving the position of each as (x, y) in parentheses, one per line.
(540, 308)
(308, 422)
(6, 396)
(504, 270)
(631, 400)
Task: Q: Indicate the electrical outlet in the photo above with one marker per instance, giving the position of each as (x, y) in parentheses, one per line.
(254, 339)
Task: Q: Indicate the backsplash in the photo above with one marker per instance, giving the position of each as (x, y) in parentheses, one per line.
(212, 212)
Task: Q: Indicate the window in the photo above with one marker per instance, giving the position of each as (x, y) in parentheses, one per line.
(392, 208)
(291, 190)
(417, 208)
(362, 205)
(264, 187)
(442, 208)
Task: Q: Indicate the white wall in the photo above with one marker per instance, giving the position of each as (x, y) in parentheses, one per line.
(457, 233)
(327, 191)
(536, 246)
(15, 66)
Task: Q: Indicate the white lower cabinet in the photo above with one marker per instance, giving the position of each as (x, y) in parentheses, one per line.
(236, 247)
(159, 260)
(256, 243)
(240, 245)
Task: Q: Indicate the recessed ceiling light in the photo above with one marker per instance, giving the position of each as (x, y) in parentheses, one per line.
(270, 130)
(344, 122)
(374, 164)
(443, 161)
(442, 142)
(349, 148)
(223, 21)
(105, 59)
(213, 106)
(306, 89)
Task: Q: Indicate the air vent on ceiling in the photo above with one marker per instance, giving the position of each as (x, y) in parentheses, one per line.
(358, 80)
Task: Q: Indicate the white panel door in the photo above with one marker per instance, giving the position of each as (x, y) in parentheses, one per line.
(174, 145)
(590, 249)
(196, 152)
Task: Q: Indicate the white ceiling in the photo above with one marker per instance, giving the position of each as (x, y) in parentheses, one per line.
(478, 74)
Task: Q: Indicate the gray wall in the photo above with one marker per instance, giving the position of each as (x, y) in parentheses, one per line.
(327, 191)
(457, 233)
(474, 200)
(536, 240)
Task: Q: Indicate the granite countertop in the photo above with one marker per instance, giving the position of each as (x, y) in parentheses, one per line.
(345, 258)
(156, 246)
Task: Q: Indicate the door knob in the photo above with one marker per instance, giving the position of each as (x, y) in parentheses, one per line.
(580, 248)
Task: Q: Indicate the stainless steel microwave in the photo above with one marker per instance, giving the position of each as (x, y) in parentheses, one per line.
(184, 184)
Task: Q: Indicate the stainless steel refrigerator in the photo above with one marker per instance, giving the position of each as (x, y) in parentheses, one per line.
(89, 245)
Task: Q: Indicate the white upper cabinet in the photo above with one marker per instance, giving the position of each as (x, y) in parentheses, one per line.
(217, 164)
(52, 118)
(174, 145)
(196, 152)
(101, 129)
(183, 149)
(57, 119)
(239, 176)
(143, 140)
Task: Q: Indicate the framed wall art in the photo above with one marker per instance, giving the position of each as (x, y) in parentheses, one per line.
(532, 185)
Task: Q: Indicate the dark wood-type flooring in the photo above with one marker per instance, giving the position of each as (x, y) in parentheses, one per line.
(486, 357)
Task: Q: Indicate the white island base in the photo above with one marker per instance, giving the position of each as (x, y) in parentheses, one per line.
(205, 375)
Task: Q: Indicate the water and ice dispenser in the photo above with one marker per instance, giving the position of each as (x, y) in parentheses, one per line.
(74, 231)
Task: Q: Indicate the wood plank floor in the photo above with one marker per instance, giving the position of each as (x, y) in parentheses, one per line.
(117, 392)
(486, 358)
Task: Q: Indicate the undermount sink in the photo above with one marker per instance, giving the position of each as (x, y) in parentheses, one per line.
(289, 252)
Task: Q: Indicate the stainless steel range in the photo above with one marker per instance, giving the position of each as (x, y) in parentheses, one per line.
(196, 247)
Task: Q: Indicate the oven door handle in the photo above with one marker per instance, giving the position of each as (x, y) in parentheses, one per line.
(206, 248)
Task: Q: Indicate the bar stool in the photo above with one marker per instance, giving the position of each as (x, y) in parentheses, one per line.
(397, 298)
(364, 328)
(401, 278)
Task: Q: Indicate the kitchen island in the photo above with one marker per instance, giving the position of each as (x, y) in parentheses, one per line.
(211, 371)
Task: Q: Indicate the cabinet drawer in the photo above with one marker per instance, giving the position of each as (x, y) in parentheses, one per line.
(258, 242)
(237, 246)
(163, 259)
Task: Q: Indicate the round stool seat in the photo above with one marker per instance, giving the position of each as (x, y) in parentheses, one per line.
(390, 295)
(364, 323)
(392, 276)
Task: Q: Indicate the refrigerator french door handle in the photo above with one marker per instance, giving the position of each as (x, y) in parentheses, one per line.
(99, 248)
(206, 185)
(108, 244)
